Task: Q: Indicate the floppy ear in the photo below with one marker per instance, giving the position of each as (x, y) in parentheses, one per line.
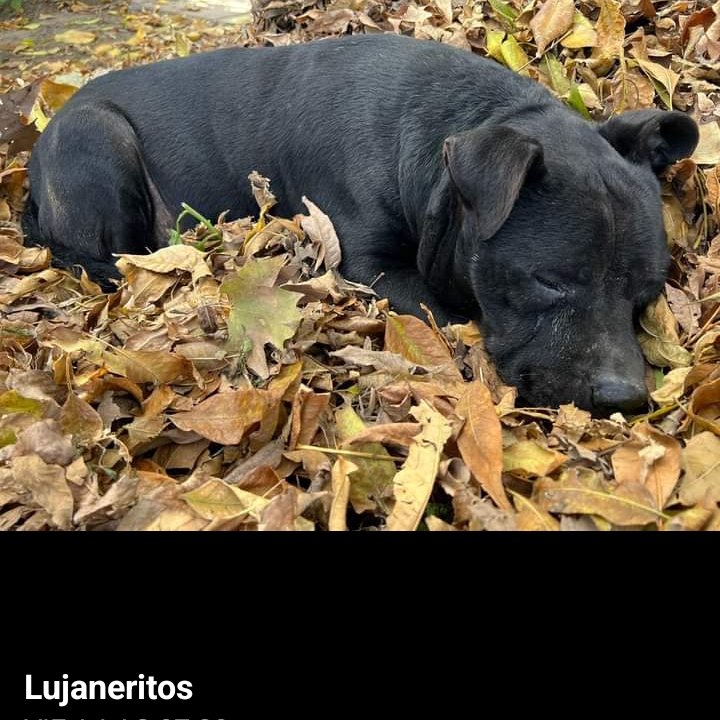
(652, 137)
(488, 167)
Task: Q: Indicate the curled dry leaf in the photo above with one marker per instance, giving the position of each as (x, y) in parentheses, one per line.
(341, 472)
(173, 258)
(553, 20)
(320, 229)
(48, 486)
(414, 483)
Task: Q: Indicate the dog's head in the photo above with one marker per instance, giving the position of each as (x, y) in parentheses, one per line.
(561, 240)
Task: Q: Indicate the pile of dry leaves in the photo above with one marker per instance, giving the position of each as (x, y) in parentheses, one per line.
(236, 381)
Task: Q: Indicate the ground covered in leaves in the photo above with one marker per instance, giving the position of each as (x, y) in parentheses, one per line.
(235, 381)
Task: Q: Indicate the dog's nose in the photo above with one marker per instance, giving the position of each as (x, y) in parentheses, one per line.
(610, 392)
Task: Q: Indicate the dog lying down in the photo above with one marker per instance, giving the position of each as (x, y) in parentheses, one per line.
(461, 184)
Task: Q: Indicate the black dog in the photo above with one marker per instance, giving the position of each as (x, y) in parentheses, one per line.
(460, 183)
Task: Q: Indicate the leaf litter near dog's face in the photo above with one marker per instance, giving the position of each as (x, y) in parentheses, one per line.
(480, 441)
(652, 458)
(260, 313)
(659, 337)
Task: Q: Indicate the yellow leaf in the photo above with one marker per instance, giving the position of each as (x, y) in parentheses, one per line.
(527, 458)
(75, 37)
(514, 56)
(673, 387)
(340, 478)
(582, 34)
(494, 44)
(167, 260)
(414, 483)
(216, 500)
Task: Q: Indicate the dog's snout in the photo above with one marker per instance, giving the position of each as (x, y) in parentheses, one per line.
(611, 392)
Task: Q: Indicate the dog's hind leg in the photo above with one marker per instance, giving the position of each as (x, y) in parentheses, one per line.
(90, 192)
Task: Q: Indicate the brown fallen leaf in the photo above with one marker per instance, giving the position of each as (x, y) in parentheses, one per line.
(320, 230)
(659, 337)
(216, 499)
(173, 258)
(651, 459)
(46, 440)
(81, 420)
(147, 366)
(410, 337)
(414, 482)
(531, 517)
(553, 20)
(480, 441)
(48, 486)
(307, 411)
(701, 460)
(227, 417)
(582, 491)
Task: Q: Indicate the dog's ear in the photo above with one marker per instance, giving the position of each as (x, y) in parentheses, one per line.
(488, 167)
(652, 137)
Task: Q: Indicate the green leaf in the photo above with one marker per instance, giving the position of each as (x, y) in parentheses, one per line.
(261, 313)
(504, 11)
(555, 71)
(576, 102)
(13, 402)
(513, 55)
